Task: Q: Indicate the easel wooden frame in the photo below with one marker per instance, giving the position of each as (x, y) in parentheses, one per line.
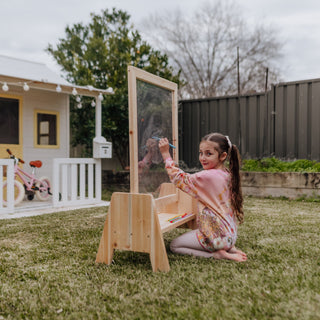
(135, 221)
(135, 74)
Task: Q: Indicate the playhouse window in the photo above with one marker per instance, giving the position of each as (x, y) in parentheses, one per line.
(46, 128)
(9, 121)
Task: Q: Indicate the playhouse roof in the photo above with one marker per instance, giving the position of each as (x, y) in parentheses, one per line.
(37, 75)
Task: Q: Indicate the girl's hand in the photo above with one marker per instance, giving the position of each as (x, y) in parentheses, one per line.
(164, 148)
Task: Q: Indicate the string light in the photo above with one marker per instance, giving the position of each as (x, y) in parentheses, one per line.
(26, 87)
(93, 103)
(79, 105)
(58, 88)
(78, 99)
(5, 87)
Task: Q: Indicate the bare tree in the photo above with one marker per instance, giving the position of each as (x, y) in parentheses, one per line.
(204, 47)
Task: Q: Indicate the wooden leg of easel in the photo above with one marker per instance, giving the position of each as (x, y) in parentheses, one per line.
(159, 258)
(105, 251)
(158, 254)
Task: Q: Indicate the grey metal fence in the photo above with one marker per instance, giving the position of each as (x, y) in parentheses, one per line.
(283, 122)
(297, 119)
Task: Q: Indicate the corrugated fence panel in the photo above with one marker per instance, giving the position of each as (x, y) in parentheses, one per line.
(261, 125)
(186, 132)
(297, 120)
(243, 141)
(315, 120)
(290, 145)
(213, 115)
(284, 122)
(279, 121)
(204, 112)
(223, 115)
(254, 126)
(252, 108)
(303, 122)
(233, 129)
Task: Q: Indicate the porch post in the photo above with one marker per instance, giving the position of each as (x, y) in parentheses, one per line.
(98, 138)
(98, 117)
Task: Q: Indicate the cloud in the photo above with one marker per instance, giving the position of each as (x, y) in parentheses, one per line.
(26, 27)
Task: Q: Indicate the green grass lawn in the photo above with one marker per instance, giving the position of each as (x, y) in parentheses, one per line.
(48, 270)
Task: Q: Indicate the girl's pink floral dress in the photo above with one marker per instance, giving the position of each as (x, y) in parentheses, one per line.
(216, 219)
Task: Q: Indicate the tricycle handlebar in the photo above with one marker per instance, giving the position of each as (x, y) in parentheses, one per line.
(12, 156)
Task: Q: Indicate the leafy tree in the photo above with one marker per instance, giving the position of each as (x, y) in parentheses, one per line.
(204, 47)
(98, 54)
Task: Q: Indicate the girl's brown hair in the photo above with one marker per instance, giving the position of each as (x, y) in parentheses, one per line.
(234, 167)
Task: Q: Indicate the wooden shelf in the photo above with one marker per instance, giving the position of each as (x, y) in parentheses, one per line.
(166, 225)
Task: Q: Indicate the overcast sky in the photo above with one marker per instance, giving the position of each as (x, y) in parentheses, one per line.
(26, 27)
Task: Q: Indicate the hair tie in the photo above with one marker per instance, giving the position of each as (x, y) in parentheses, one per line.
(229, 142)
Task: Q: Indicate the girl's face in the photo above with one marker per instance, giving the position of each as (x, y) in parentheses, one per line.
(209, 156)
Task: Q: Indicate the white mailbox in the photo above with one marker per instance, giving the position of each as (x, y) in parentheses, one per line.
(102, 148)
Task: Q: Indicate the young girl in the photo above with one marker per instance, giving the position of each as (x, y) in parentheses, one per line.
(219, 196)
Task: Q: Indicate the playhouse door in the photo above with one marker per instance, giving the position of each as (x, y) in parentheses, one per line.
(10, 126)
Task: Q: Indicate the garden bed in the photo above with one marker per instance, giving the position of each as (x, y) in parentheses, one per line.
(271, 177)
(292, 185)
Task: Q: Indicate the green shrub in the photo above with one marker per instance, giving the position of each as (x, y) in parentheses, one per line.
(276, 165)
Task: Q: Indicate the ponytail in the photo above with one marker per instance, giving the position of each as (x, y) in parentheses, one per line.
(235, 187)
(226, 146)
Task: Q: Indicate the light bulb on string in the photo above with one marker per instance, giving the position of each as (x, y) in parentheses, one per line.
(100, 96)
(78, 99)
(5, 87)
(74, 91)
(26, 87)
(79, 105)
(93, 103)
(58, 88)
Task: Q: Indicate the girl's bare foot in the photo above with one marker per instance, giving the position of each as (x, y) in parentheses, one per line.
(223, 254)
(235, 250)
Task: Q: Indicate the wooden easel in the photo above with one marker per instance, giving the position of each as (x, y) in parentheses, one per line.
(136, 221)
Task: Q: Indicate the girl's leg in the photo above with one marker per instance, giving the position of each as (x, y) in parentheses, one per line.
(188, 243)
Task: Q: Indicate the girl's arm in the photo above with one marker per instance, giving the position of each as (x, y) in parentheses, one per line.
(181, 179)
(164, 148)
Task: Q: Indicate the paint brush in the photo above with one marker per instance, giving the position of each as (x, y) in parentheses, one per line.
(158, 139)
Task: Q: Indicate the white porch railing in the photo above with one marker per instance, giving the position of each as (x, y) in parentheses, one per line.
(7, 168)
(76, 181)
